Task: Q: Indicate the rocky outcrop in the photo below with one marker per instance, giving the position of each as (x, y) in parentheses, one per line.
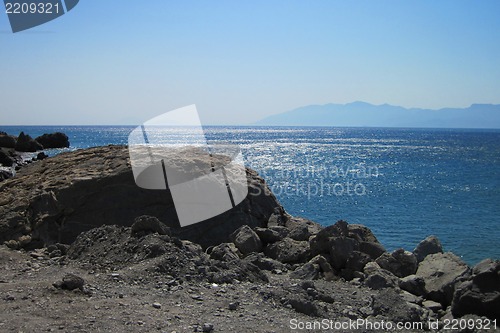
(53, 140)
(430, 245)
(481, 294)
(441, 272)
(7, 141)
(26, 143)
(56, 199)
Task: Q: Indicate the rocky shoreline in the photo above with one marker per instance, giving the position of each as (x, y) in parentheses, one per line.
(87, 250)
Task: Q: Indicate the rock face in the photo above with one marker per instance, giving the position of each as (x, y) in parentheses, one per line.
(481, 294)
(441, 272)
(54, 200)
(26, 143)
(430, 245)
(7, 141)
(53, 140)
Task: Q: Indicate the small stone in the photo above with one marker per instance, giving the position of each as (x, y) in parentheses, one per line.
(157, 305)
(233, 306)
(207, 327)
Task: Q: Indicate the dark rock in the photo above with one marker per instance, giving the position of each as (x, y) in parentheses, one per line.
(7, 141)
(325, 267)
(300, 224)
(53, 140)
(441, 272)
(271, 234)
(41, 156)
(481, 294)
(379, 278)
(357, 261)
(308, 271)
(300, 233)
(144, 225)
(304, 306)
(5, 159)
(70, 282)
(433, 306)
(361, 233)
(26, 143)
(289, 251)
(413, 284)
(246, 240)
(340, 250)
(264, 263)
(430, 245)
(225, 252)
(5, 174)
(82, 182)
(400, 262)
(320, 243)
(374, 250)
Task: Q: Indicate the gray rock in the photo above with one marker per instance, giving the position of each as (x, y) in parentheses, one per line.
(481, 294)
(433, 306)
(357, 261)
(430, 245)
(441, 272)
(105, 172)
(301, 223)
(144, 225)
(264, 263)
(271, 234)
(225, 252)
(289, 251)
(361, 233)
(300, 233)
(413, 284)
(207, 327)
(308, 271)
(246, 240)
(374, 250)
(400, 262)
(70, 282)
(389, 304)
(379, 278)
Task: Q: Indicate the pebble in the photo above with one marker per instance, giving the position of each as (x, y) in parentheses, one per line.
(233, 306)
(157, 305)
(207, 327)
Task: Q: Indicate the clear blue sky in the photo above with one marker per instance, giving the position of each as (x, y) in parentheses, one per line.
(123, 62)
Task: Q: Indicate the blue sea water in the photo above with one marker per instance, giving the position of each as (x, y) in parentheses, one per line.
(405, 184)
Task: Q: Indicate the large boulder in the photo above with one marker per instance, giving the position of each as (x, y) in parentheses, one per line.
(271, 234)
(53, 140)
(481, 294)
(289, 251)
(400, 262)
(246, 240)
(7, 141)
(26, 143)
(340, 250)
(441, 272)
(379, 278)
(430, 245)
(5, 159)
(54, 200)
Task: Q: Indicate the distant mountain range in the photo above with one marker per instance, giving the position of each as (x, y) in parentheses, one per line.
(361, 114)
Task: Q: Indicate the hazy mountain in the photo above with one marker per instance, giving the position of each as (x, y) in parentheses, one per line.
(360, 114)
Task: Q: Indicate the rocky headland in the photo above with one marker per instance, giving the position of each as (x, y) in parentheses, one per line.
(85, 249)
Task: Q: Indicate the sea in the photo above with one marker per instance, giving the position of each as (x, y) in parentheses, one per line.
(404, 184)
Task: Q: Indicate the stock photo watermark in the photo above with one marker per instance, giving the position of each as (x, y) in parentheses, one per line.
(321, 179)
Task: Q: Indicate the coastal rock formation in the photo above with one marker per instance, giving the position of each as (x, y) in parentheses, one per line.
(53, 140)
(5, 159)
(123, 246)
(481, 294)
(26, 143)
(441, 273)
(56, 199)
(7, 141)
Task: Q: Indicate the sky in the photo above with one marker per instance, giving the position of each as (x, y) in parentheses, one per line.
(124, 62)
